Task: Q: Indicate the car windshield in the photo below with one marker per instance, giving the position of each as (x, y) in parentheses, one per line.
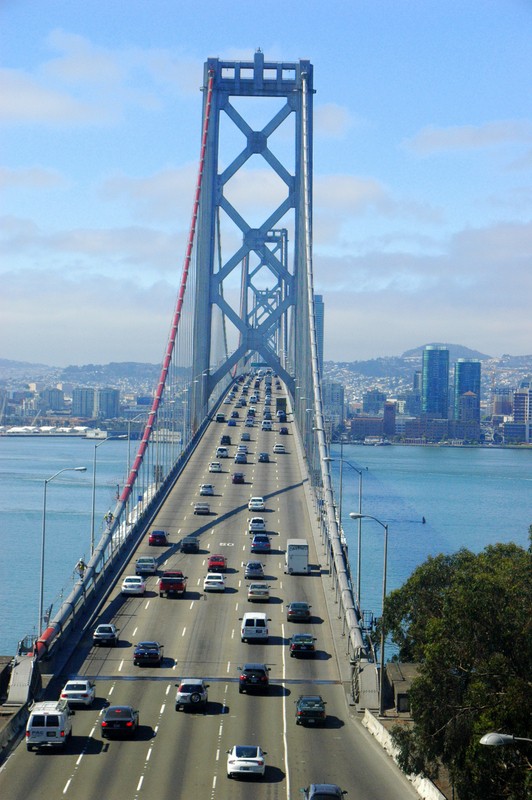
(246, 752)
(75, 687)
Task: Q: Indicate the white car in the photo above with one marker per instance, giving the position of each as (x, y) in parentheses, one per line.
(214, 582)
(279, 448)
(215, 466)
(78, 691)
(133, 584)
(256, 524)
(245, 759)
(206, 489)
(256, 504)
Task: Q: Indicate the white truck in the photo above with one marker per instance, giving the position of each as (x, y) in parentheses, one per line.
(296, 557)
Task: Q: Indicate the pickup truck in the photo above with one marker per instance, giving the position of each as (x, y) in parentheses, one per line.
(310, 710)
(172, 582)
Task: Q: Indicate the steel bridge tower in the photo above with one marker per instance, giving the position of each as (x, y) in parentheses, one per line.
(253, 226)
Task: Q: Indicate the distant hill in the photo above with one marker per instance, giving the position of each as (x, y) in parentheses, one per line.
(455, 351)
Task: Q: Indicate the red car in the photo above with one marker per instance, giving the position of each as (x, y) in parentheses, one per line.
(172, 582)
(217, 563)
(158, 538)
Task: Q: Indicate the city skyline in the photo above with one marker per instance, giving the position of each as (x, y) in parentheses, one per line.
(422, 157)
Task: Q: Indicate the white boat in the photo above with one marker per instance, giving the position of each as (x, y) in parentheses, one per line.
(96, 433)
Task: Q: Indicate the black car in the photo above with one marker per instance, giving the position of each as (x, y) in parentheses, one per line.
(310, 710)
(254, 678)
(190, 544)
(302, 644)
(283, 431)
(298, 611)
(238, 477)
(148, 654)
(119, 721)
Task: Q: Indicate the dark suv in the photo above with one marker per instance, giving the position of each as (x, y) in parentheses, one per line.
(254, 678)
(323, 791)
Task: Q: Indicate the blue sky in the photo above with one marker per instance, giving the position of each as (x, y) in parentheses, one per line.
(422, 168)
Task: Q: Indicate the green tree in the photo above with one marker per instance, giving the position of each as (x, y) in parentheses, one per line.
(466, 619)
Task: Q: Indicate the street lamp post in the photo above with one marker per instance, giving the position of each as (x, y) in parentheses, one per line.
(358, 515)
(96, 446)
(43, 538)
(501, 739)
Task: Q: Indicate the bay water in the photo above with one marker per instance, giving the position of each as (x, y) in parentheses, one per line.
(469, 497)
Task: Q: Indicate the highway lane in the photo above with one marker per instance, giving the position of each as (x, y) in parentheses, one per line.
(184, 754)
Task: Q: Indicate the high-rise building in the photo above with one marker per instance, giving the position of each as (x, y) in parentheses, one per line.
(435, 382)
(319, 312)
(373, 401)
(83, 404)
(466, 380)
(108, 403)
(334, 401)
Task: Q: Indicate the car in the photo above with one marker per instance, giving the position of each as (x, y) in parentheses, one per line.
(206, 489)
(258, 592)
(242, 448)
(253, 678)
(246, 437)
(302, 644)
(202, 509)
(264, 458)
(260, 543)
(172, 581)
(133, 584)
(158, 538)
(254, 570)
(235, 414)
(106, 633)
(227, 399)
(241, 458)
(214, 582)
(216, 563)
(220, 417)
(238, 477)
(279, 448)
(78, 691)
(215, 466)
(222, 452)
(245, 759)
(231, 423)
(145, 565)
(267, 415)
(283, 431)
(323, 791)
(148, 654)
(256, 504)
(310, 710)
(298, 611)
(191, 693)
(119, 720)
(256, 525)
(189, 544)
(225, 439)
(249, 423)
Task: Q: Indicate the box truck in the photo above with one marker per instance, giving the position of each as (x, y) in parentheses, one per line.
(296, 557)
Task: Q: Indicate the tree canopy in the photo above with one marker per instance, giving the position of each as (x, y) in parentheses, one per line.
(466, 618)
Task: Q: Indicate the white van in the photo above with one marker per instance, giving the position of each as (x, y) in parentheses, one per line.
(266, 425)
(254, 626)
(49, 724)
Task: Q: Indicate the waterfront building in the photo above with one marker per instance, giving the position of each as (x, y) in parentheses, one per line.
(467, 381)
(83, 403)
(52, 400)
(373, 401)
(435, 382)
(501, 401)
(388, 418)
(108, 403)
(333, 396)
(522, 412)
(319, 318)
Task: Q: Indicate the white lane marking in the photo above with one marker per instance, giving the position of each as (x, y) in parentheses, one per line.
(67, 784)
(217, 757)
(78, 762)
(135, 632)
(149, 754)
(156, 729)
(147, 604)
(168, 689)
(214, 782)
(233, 634)
(162, 708)
(111, 690)
(91, 734)
(228, 666)
(139, 785)
(184, 631)
(285, 730)
(192, 605)
(120, 666)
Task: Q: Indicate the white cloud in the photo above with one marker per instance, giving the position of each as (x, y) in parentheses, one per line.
(433, 139)
(332, 121)
(30, 178)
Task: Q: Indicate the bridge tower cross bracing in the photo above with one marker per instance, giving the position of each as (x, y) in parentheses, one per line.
(251, 282)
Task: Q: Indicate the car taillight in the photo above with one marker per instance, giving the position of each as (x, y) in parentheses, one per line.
(63, 694)
(63, 734)
(129, 724)
(27, 734)
(260, 762)
(104, 724)
(264, 678)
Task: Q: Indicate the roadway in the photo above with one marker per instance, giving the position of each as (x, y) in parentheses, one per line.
(183, 755)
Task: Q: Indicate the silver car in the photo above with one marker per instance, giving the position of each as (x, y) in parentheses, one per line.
(192, 693)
